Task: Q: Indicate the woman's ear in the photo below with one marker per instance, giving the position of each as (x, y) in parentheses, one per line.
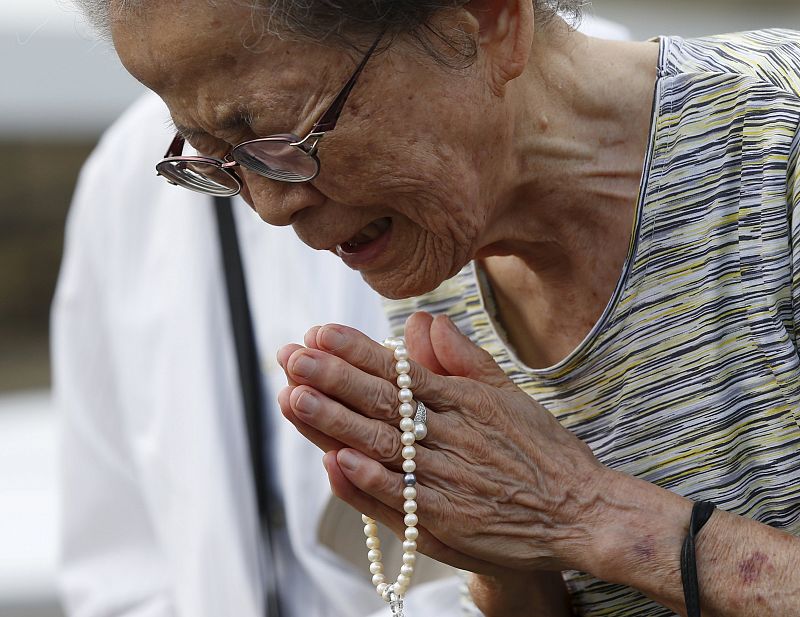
(504, 30)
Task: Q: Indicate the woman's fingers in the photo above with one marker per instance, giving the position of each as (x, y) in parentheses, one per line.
(418, 341)
(356, 348)
(376, 439)
(345, 376)
(373, 396)
(371, 358)
(310, 338)
(459, 356)
(386, 504)
(321, 440)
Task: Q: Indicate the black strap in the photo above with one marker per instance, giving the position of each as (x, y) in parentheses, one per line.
(701, 512)
(251, 387)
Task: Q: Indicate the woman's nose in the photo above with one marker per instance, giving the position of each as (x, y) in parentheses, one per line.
(278, 203)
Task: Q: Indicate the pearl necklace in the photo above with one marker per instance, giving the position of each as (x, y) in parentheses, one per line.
(393, 593)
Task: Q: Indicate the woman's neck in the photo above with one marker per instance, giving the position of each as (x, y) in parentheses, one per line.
(557, 241)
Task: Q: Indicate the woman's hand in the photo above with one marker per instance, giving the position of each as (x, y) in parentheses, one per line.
(501, 483)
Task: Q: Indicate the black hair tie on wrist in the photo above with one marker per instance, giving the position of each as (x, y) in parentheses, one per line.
(701, 512)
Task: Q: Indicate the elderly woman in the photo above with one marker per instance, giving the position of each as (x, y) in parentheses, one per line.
(607, 235)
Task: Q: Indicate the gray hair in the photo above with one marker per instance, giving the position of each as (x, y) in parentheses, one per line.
(347, 21)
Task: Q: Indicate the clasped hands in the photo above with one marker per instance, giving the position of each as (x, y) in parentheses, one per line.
(502, 486)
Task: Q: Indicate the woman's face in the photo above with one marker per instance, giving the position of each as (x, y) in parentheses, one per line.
(408, 178)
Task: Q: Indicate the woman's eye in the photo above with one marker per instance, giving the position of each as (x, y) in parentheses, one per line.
(211, 148)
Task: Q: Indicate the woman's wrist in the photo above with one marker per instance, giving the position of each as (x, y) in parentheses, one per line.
(636, 535)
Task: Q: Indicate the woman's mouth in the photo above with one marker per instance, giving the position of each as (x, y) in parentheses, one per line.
(367, 244)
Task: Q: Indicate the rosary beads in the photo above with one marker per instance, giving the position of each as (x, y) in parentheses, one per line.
(413, 427)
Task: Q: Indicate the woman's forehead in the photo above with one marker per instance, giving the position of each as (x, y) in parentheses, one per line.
(173, 41)
(203, 62)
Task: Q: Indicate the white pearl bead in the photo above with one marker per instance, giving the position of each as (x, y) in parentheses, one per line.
(420, 431)
(408, 438)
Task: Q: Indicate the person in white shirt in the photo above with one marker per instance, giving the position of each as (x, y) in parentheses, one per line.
(158, 506)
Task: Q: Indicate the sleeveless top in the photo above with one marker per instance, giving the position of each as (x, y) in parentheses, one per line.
(691, 378)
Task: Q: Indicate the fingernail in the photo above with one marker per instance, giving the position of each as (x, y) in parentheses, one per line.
(348, 460)
(304, 366)
(332, 339)
(307, 402)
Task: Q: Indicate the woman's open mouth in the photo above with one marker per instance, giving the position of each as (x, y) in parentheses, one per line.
(367, 244)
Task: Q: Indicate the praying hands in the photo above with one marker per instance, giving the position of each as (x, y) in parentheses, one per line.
(503, 490)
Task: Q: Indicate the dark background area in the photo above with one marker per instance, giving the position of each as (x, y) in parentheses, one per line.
(38, 178)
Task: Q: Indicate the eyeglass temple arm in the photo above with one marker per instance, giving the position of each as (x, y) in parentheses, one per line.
(176, 147)
(328, 120)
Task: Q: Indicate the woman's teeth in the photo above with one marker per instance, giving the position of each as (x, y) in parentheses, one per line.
(371, 232)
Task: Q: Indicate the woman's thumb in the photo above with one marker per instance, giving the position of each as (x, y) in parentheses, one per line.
(418, 342)
(459, 356)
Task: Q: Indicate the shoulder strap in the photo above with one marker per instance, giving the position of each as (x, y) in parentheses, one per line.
(251, 387)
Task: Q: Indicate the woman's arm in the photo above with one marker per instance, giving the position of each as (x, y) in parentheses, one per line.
(744, 568)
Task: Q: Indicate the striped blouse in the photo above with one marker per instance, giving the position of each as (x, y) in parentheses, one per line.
(691, 377)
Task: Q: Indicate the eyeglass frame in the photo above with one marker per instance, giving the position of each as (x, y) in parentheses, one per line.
(308, 144)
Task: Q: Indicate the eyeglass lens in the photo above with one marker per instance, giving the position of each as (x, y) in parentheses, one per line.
(200, 176)
(276, 159)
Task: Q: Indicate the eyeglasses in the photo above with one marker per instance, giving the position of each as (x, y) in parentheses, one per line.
(284, 157)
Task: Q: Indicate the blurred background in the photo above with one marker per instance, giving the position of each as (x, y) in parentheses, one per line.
(60, 89)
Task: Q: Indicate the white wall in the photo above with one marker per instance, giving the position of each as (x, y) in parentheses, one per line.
(55, 78)
(28, 506)
(649, 18)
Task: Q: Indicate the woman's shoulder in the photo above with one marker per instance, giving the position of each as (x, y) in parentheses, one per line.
(770, 56)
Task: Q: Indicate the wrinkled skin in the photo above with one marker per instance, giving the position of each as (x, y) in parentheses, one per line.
(416, 142)
(501, 483)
